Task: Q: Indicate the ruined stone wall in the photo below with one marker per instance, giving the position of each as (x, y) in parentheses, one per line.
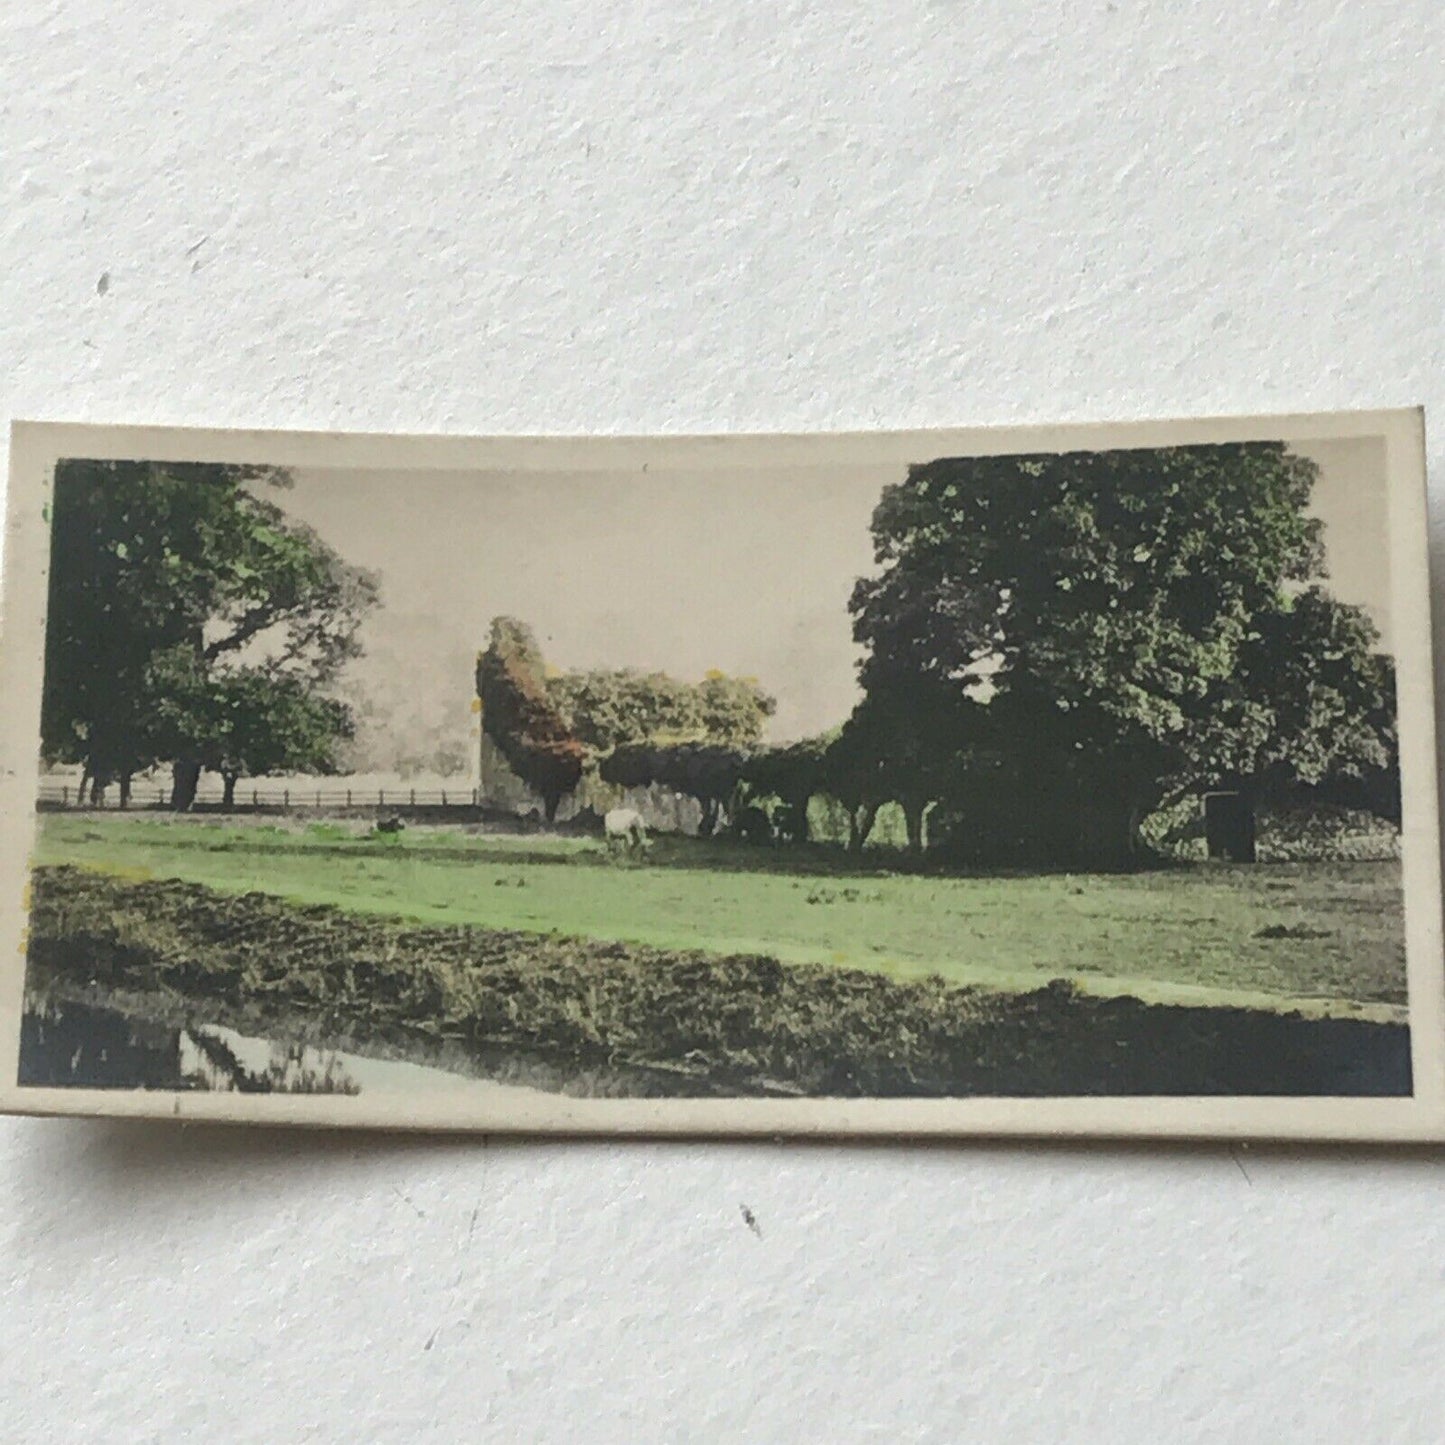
(663, 810)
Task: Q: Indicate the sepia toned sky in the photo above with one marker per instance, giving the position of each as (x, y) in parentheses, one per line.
(672, 571)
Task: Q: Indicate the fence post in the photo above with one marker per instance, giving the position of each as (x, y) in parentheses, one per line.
(413, 797)
(286, 797)
(444, 797)
(64, 794)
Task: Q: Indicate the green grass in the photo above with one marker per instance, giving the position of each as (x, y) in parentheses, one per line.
(1196, 934)
(585, 1016)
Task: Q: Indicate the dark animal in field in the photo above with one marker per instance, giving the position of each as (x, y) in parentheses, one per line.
(791, 823)
(391, 824)
(624, 829)
(754, 826)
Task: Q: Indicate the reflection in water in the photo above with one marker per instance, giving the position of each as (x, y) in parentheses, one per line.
(95, 1048)
(74, 1045)
(215, 1059)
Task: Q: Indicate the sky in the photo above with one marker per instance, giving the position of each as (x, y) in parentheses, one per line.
(672, 571)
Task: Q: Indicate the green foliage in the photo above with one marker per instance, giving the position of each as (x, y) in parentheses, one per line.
(1123, 579)
(1132, 624)
(734, 710)
(247, 722)
(612, 708)
(638, 728)
(709, 772)
(520, 716)
(271, 724)
(183, 575)
(908, 747)
(794, 774)
(1307, 701)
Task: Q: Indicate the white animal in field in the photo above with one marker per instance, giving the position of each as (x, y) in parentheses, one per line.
(623, 827)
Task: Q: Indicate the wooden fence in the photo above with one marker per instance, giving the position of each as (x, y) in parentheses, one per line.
(268, 796)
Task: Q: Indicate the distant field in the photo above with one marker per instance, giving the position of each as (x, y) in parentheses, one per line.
(1328, 935)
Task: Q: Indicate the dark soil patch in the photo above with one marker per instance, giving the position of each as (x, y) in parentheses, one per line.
(732, 1025)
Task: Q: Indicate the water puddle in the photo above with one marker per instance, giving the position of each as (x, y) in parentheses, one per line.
(83, 1045)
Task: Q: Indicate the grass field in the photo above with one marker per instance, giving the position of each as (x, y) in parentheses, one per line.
(578, 1015)
(1327, 937)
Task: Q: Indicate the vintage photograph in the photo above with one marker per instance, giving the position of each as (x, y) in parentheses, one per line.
(502, 780)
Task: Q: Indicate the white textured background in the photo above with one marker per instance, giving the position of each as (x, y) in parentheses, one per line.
(711, 215)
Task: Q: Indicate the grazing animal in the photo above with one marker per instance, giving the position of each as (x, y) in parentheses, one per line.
(392, 824)
(791, 822)
(585, 820)
(754, 826)
(624, 828)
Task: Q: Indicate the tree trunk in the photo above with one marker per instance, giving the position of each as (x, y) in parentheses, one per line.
(228, 794)
(185, 778)
(1109, 836)
(125, 790)
(707, 826)
(1229, 826)
(913, 811)
(860, 825)
(550, 803)
(799, 808)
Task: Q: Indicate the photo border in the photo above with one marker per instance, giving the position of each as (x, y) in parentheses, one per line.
(35, 447)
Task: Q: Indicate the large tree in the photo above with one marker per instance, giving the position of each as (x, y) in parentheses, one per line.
(157, 566)
(906, 748)
(853, 775)
(792, 773)
(521, 718)
(1309, 704)
(1136, 621)
(247, 722)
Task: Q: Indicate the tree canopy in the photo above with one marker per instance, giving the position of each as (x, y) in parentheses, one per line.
(792, 773)
(707, 772)
(909, 749)
(165, 573)
(608, 708)
(1136, 621)
(246, 722)
(733, 710)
